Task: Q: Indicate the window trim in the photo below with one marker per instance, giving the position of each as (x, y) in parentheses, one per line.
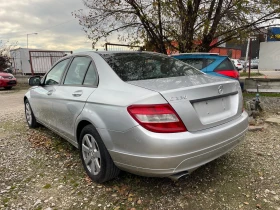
(91, 62)
(66, 67)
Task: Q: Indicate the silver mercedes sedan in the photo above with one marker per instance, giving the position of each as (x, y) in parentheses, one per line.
(141, 112)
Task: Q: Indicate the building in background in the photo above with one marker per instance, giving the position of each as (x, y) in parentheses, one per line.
(257, 38)
(269, 58)
(232, 52)
(28, 61)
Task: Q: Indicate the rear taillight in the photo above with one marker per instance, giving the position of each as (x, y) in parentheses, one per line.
(229, 73)
(159, 118)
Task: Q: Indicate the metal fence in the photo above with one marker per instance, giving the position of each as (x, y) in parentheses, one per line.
(42, 61)
(122, 47)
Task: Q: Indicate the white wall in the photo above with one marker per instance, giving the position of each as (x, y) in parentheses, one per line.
(41, 61)
(24, 56)
(269, 55)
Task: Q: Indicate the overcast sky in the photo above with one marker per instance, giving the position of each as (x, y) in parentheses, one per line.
(52, 19)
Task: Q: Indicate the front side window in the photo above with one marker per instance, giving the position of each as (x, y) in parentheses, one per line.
(142, 66)
(54, 76)
(77, 71)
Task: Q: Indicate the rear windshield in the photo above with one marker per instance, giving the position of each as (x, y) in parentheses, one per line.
(199, 63)
(226, 65)
(142, 66)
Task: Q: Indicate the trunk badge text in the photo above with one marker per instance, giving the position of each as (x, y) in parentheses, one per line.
(220, 89)
(177, 98)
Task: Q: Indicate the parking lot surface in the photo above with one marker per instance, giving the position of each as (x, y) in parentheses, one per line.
(39, 170)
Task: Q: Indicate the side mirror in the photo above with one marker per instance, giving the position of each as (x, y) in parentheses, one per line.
(34, 81)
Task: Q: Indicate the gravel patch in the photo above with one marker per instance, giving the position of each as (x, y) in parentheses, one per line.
(39, 170)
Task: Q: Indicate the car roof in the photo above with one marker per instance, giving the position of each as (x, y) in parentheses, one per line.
(200, 55)
(126, 51)
(105, 53)
(117, 52)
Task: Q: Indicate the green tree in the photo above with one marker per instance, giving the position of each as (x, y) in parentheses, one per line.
(192, 24)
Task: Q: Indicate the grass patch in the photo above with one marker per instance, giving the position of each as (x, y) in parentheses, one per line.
(15, 89)
(21, 86)
(47, 186)
(12, 128)
(246, 74)
(5, 200)
(252, 95)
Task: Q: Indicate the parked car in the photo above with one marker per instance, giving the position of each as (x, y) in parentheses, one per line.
(210, 63)
(9, 70)
(238, 65)
(254, 64)
(7, 80)
(142, 112)
(243, 62)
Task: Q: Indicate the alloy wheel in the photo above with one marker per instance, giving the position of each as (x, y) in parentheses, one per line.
(91, 154)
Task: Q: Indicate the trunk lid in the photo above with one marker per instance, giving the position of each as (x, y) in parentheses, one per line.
(201, 101)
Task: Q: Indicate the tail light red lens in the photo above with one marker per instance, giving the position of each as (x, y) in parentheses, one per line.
(159, 118)
(229, 73)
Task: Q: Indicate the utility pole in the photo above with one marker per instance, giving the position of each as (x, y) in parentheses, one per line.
(27, 38)
(247, 52)
(250, 58)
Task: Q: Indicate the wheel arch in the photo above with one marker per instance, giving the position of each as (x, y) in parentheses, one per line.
(79, 128)
(103, 133)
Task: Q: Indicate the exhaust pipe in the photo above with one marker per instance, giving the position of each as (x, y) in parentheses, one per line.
(177, 176)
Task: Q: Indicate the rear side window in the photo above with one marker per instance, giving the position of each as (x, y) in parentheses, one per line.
(77, 71)
(199, 63)
(142, 66)
(226, 65)
(91, 76)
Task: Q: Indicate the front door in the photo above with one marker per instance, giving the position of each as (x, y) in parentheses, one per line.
(41, 97)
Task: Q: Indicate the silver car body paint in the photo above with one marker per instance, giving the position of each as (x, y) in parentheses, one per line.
(215, 120)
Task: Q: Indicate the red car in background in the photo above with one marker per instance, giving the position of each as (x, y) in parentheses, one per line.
(7, 80)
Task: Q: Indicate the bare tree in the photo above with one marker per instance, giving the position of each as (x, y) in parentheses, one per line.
(182, 25)
(5, 48)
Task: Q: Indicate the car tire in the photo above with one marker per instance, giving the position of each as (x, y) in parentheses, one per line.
(8, 88)
(96, 159)
(29, 116)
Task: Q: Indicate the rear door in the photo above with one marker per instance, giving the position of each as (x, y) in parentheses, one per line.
(70, 97)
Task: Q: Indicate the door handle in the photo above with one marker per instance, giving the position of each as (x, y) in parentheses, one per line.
(77, 93)
(49, 92)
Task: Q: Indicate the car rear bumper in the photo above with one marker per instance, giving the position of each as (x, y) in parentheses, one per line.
(8, 82)
(151, 154)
